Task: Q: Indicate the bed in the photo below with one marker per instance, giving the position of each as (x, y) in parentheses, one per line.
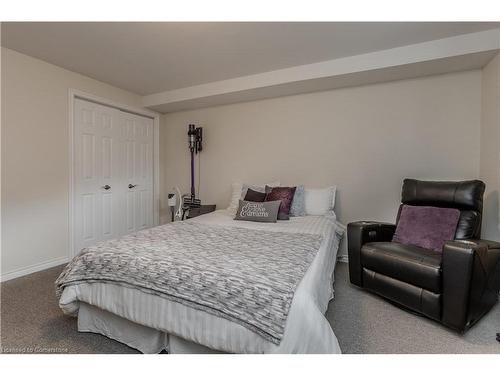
(152, 322)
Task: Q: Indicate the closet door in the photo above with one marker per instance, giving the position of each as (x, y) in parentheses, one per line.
(98, 182)
(138, 172)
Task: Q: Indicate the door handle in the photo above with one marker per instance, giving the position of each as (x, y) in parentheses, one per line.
(106, 187)
(130, 186)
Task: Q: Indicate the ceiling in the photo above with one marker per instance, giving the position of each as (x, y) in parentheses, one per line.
(147, 58)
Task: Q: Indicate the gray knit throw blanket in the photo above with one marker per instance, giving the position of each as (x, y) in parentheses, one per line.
(246, 276)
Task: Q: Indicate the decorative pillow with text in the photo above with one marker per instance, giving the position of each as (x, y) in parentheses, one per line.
(265, 212)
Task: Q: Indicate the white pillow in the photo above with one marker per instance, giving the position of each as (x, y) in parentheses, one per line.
(237, 192)
(320, 201)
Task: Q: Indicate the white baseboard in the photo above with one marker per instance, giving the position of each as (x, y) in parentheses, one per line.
(34, 268)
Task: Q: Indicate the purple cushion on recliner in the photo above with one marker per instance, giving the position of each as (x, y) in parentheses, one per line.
(428, 227)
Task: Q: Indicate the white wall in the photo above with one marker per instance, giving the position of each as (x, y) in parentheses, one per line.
(490, 147)
(363, 139)
(35, 163)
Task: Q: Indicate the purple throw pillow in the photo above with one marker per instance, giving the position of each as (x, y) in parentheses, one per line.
(427, 227)
(254, 196)
(285, 195)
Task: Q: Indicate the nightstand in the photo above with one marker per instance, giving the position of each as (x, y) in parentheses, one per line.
(204, 209)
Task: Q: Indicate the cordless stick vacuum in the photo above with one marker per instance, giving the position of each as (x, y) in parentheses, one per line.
(195, 136)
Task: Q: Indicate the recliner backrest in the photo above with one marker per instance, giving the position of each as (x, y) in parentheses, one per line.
(466, 196)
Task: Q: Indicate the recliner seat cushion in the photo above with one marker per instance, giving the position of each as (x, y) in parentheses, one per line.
(412, 264)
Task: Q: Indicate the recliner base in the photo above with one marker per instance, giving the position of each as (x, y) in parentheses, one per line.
(402, 295)
(417, 299)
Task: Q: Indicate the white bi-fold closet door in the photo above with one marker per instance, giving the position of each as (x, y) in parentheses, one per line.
(113, 173)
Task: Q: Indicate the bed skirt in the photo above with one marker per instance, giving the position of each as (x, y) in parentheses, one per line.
(145, 339)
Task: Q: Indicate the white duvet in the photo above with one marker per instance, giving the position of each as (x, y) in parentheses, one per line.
(306, 331)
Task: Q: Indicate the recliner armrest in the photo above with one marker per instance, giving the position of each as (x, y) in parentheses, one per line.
(471, 277)
(359, 233)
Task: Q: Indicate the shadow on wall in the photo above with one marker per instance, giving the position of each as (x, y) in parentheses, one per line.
(342, 252)
(490, 230)
(337, 204)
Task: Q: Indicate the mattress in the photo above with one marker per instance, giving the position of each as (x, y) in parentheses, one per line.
(306, 330)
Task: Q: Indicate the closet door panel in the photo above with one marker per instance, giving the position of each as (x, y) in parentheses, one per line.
(96, 166)
(139, 167)
(113, 173)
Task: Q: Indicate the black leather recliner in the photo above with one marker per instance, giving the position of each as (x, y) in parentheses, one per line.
(455, 287)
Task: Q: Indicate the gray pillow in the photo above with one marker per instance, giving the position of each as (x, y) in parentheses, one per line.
(245, 187)
(260, 189)
(298, 207)
(265, 212)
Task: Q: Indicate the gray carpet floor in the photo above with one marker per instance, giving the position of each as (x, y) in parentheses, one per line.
(32, 322)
